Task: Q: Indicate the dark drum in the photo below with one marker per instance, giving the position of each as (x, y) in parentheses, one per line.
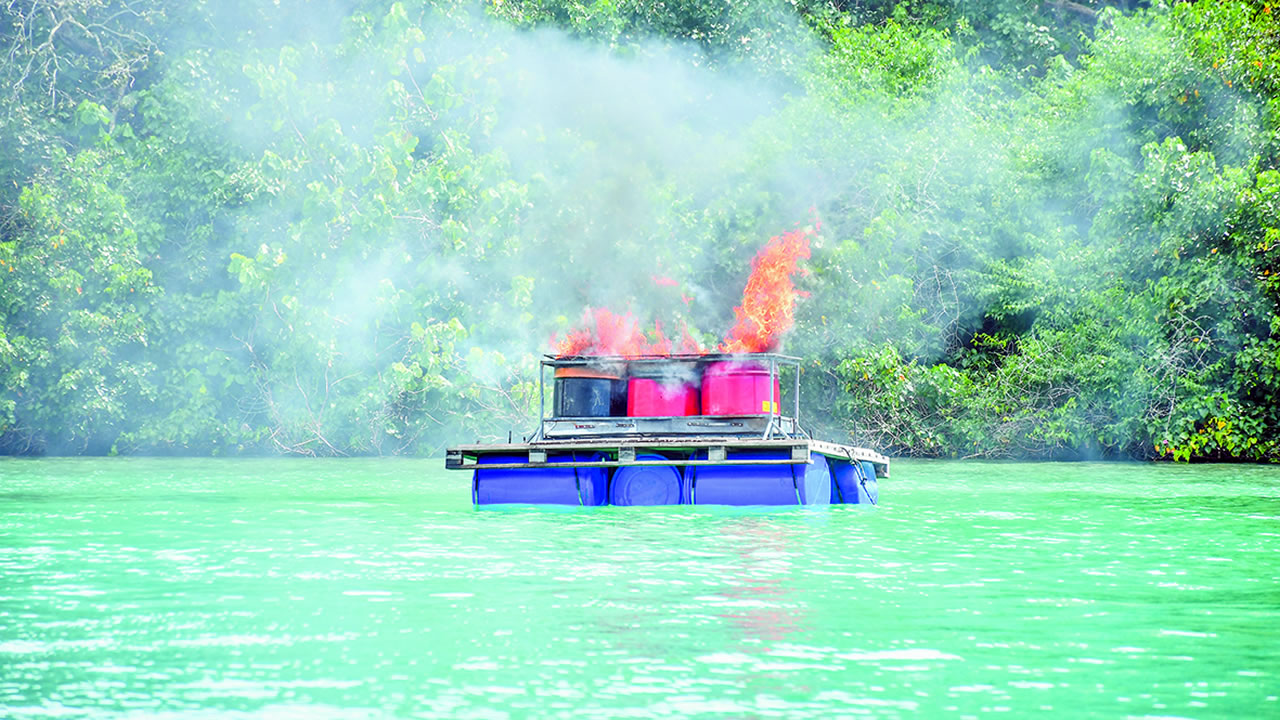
(586, 392)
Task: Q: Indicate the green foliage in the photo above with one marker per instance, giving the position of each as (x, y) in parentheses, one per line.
(1126, 292)
(870, 62)
(1048, 229)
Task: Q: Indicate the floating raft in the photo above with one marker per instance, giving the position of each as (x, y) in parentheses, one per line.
(604, 458)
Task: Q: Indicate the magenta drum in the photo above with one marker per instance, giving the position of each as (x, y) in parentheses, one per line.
(740, 388)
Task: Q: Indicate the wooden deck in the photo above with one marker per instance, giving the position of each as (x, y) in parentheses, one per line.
(678, 450)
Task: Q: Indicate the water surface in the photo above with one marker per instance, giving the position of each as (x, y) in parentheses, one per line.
(140, 588)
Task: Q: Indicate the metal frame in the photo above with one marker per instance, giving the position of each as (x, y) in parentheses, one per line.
(619, 439)
(776, 425)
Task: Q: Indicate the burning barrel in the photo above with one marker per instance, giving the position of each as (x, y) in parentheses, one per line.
(664, 389)
(587, 391)
(733, 387)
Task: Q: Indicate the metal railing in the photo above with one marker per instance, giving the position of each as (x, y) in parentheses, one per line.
(777, 425)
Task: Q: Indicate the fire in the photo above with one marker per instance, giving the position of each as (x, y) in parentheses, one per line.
(603, 332)
(766, 314)
(689, 344)
(768, 304)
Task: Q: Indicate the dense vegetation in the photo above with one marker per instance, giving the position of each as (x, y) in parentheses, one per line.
(1047, 229)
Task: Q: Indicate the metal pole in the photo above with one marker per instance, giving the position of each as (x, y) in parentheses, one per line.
(775, 380)
(795, 419)
(773, 368)
(542, 398)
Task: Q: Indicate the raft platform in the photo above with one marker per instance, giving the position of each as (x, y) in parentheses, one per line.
(675, 451)
(602, 444)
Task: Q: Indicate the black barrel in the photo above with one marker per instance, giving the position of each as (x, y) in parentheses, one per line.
(589, 392)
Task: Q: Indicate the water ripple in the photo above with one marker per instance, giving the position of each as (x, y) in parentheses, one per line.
(267, 589)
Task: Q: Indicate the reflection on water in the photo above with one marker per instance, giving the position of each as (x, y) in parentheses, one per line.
(373, 589)
(760, 600)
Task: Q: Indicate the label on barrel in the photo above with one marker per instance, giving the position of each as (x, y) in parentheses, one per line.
(768, 406)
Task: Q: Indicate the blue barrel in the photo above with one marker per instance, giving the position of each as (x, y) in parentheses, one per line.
(816, 489)
(783, 484)
(539, 486)
(853, 483)
(872, 489)
(646, 484)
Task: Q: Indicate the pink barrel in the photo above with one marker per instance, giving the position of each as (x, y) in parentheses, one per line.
(738, 388)
(650, 397)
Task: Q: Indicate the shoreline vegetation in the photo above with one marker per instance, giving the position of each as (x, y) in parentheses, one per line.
(1040, 229)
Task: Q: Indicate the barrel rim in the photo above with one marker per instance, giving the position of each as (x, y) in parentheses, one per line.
(594, 373)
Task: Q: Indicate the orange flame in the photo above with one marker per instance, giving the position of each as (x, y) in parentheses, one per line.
(689, 344)
(768, 304)
(606, 333)
(766, 314)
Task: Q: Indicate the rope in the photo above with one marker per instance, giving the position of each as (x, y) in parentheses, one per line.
(839, 492)
(862, 480)
(795, 484)
(577, 482)
(862, 476)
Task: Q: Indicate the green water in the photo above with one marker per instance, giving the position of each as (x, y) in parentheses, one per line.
(371, 588)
